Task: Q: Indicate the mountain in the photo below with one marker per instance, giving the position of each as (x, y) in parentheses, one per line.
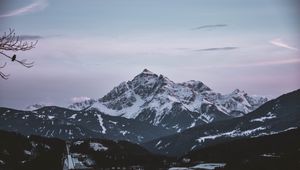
(64, 123)
(275, 116)
(157, 100)
(279, 151)
(151, 102)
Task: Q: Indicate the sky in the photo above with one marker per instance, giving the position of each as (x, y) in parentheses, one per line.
(85, 48)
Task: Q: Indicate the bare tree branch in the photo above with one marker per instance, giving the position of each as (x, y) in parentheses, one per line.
(22, 62)
(3, 65)
(2, 75)
(11, 42)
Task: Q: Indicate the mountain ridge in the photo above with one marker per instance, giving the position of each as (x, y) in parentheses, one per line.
(275, 116)
(53, 121)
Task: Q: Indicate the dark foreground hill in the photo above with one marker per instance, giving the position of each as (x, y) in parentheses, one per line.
(276, 152)
(18, 152)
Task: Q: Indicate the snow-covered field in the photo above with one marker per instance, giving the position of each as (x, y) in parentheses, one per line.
(208, 166)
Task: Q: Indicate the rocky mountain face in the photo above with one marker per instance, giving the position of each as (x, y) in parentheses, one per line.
(273, 117)
(157, 100)
(64, 123)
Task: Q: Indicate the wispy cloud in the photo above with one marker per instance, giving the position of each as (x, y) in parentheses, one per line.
(37, 37)
(30, 37)
(33, 7)
(279, 43)
(79, 99)
(210, 26)
(218, 49)
(255, 64)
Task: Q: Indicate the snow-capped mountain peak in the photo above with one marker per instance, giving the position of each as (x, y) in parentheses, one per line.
(159, 101)
(146, 71)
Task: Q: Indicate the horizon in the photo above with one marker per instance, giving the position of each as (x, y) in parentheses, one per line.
(87, 48)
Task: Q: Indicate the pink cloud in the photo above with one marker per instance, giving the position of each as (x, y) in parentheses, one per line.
(279, 43)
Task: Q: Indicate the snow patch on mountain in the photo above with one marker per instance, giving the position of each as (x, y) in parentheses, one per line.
(78, 142)
(51, 117)
(209, 166)
(262, 119)
(233, 133)
(97, 146)
(73, 116)
(101, 124)
(124, 132)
